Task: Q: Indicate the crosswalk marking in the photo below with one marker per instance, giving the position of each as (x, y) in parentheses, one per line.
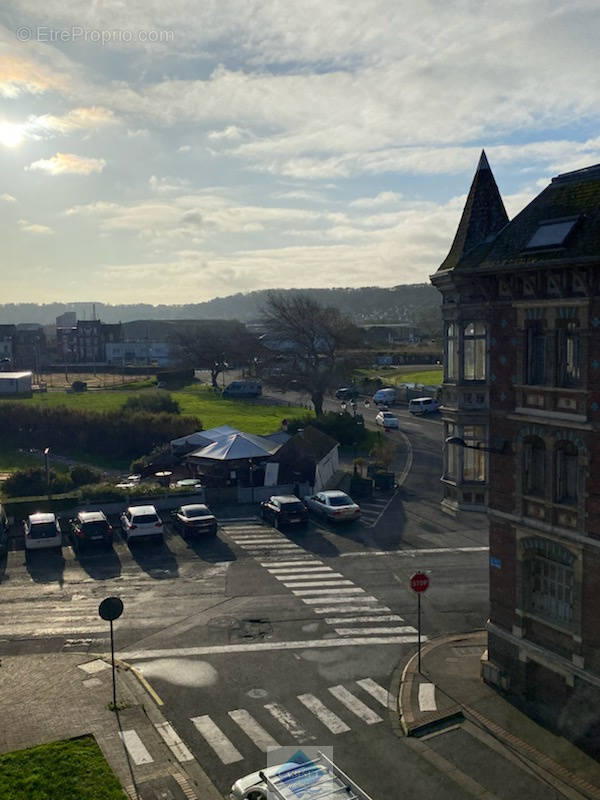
(293, 570)
(311, 562)
(135, 747)
(215, 737)
(374, 631)
(375, 690)
(273, 546)
(327, 584)
(314, 576)
(253, 729)
(314, 600)
(349, 609)
(381, 618)
(354, 705)
(353, 591)
(173, 741)
(289, 722)
(327, 717)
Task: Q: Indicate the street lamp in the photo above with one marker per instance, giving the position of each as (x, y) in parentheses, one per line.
(47, 463)
(343, 406)
(500, 448)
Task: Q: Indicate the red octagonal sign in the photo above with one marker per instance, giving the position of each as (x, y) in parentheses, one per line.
(419, 582)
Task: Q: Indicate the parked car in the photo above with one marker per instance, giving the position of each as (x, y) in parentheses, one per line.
(3, 531)
(333, 505)
(194, 520)
(90, 529)
(386, 419)
(284, 509)
(42, 532)
(423, 405)
(385, 396)
(141, 522)
(347, 393)
(243, 389)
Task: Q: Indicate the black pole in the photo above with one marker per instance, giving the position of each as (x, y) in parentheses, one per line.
(112, 655)
(418, 627)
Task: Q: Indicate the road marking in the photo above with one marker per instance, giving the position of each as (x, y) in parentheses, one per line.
(303, 584)
(173, 741)
(314, 600)
(289, 563)
(252, 647)
(382, 618)
(135, 747)
(424, 551)
(278, 546)
(375, 690)
(324, 714)
(258, 540)
(355, 591)
(217, 739)
(289, 722)
(349, 609)
(354, 705)
(255, 732)
(374, 631)
(409, 459)
(427, 697)
(293, 570)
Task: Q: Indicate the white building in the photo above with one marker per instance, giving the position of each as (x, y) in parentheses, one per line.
(139, 352)
(15, 382)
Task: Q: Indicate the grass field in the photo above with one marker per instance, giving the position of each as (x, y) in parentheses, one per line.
(396, 375)
(70, 770)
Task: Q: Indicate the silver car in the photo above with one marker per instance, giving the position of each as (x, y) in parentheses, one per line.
(333, 505)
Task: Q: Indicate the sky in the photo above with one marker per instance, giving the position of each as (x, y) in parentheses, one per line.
(173, 151)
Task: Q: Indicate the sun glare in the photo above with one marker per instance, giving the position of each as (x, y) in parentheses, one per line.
(11, 135)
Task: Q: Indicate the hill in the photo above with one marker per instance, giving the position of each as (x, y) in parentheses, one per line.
(366, 304)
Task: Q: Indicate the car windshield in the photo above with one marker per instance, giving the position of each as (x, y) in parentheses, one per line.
(340, 501)
(196, 511)
(144, 519)
(97, 526)
(292, 506)
(43, 530)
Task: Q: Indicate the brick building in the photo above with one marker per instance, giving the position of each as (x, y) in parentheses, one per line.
(85, 343)
(521, 308)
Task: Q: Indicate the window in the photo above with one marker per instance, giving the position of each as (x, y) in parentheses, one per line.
(549, 579)
(566, 473)
(451, 453)
(534, 454)
(551, 233)
(568, 370)
(474, 344)
(451, 351)
(535, 352)
(473, 458)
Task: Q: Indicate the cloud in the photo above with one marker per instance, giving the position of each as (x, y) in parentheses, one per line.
(381, 199)
(19, 75)
(68, 163)
(185, 148)
(77, 119)
(32, 227)
(231, 132)
(8, 198)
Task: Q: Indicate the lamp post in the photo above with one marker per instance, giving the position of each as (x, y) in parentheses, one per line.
(47, 464)
(458, 440)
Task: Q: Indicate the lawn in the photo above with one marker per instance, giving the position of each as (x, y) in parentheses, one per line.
(69, 770)
(396, 375)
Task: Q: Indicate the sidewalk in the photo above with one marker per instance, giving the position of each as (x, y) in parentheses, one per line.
(49, 697)
(449, 691)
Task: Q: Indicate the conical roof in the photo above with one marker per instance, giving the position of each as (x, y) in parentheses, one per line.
(483, 216)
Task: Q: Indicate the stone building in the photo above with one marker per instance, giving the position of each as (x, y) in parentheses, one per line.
(521, 309)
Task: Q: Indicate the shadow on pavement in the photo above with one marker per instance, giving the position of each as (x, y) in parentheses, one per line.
(211, 548)
(312, 540)
(3, 562)
(45, 566)
(154, 558)
(100, 564)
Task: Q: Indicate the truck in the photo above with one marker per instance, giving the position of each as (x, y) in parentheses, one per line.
(318, 779)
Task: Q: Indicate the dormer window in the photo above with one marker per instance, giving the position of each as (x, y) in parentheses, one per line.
(552, 233)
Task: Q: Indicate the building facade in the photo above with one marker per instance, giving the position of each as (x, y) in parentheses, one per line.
(521, 308)
(86, 342)
(139, 353)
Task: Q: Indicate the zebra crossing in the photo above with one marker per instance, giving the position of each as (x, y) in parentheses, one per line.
(372, 509)
(342, 605)
(307, 719)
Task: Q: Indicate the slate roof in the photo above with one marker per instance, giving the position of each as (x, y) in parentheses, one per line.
(311, 443)
(483, 216)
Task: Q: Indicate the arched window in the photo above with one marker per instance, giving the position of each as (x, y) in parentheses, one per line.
(451, 362)
(533, 466)
(566, 489)
(548, 576)
(474, 347)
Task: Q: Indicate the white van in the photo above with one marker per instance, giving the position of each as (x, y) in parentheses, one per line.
(385, 396)
(423, 405)
(243, 389)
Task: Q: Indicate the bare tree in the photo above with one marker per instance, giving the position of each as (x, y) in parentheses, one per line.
(310, 340)
(215, 346)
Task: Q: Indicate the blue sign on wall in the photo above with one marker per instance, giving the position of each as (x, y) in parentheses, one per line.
(495, 562)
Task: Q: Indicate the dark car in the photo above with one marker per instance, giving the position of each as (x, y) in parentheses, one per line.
(284, 509)
(347, 393)
(195, 520)
(91, 529)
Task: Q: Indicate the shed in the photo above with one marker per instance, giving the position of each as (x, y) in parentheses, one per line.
(310, 456)
(15, 382)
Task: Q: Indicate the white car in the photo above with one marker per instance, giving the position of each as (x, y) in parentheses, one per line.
(42, 531)
(386, 419)
(424, 405)
(253, 786)
(333, 505)
(141, 522)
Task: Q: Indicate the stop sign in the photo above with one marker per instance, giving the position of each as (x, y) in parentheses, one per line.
(419, 582)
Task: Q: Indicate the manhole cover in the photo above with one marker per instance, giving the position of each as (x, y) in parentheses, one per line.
(255, 629)
(257, 694)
